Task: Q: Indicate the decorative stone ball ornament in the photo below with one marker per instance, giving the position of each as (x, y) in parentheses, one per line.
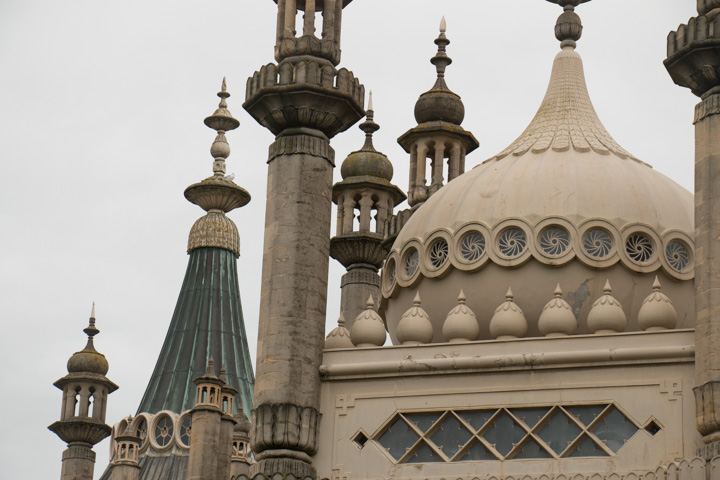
(606, 314)
(557, 318)
(368, 329)
(509, 321)
(657, 311)
(415, 326)
(339, 337)
(461, 325)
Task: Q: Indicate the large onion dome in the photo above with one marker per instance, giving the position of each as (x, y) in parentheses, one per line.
(564, 203)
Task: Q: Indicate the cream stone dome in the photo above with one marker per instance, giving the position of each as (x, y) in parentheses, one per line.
(564, 194)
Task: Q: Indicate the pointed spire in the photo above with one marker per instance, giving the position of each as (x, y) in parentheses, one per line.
(607, 288)
(210, 370)
(417, 300)
(221, 121)
(441, 60)
(91, 330)
(558, 291)
(461, 298)
(341, 320)
(656, 284)
(370, 304)
(509, 295)
(369, 127)
(223, 374)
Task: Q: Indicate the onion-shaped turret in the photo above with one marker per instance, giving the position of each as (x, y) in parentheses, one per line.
(415, 326)
(461, 325)
(657, 311)
(368, 329)
(508, 322)
(557, 318)
(339, 337)
(606, 314)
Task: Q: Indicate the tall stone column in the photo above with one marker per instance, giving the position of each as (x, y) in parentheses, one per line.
(694, 62)
(304, 101)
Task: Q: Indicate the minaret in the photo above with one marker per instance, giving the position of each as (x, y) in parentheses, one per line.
(82, 417)
(438, 135)
(125, 466)
(208, 319)
(365, 201)
(304, 101)
(693, 61)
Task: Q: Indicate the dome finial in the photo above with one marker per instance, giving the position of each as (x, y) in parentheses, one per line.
(91, 330)
(369, 127)
(568, 28)
(221, 121)
(441, 59)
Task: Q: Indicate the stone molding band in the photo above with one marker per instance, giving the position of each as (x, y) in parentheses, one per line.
(301, 145)
(708, 106)
(82, 452)
(360, 275)
(285, 426)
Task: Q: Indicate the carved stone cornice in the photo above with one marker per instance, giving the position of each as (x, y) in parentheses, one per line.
(216, 193)
(86, 430)
(693, 54)
(285, 427)
(301, 145)
(352, 248)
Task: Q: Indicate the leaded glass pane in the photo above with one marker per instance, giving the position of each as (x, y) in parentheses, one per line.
(614, 430)
(423, 420)
(398, 439)
(451, 436)
(587, 448)
(477, 419)
(186, 430)
(476, 451)
(586, 414)
(504, 433)
(559, 431)
(531, 416)
(164, 431)
(424, 454)
(531, 449)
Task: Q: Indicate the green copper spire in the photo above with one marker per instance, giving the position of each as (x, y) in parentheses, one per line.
(208, 318)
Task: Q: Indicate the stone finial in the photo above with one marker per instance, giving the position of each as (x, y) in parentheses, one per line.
(415, 326)
(223, 374)
(568, 28)
(657, 311)
(461, 324)
(557, 318)
(441, 59)
(339, 337)
(210, 369)
(508, 322)
(369, 328)
(606, 314)
(221, 121)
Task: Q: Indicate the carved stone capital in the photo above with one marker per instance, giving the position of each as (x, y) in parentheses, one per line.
(301, 145)
(280, 469)
(707, 408)
(708, 106)
(284, 427)
(352, 248)
(87, 430)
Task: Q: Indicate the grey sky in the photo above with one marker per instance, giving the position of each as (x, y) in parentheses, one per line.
(101, 109)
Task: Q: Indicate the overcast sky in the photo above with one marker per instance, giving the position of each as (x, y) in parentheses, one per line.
(101, 110)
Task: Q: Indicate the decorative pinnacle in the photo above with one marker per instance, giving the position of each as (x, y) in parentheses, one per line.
(441, 59)
(461, 298)
(91, 330)
(656, 284)
(509, 295)
(369, 127)
(341, 320)
(369, 305)
(417, 301)
(558, 291)
(568, 28)
(221, 121)
(223, 374)
(210, 370)
(607, 288)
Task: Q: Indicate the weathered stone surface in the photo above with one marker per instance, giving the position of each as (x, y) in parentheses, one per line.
(357, 285)
(204, 445)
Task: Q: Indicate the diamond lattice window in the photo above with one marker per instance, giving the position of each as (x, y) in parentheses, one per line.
(553, 431)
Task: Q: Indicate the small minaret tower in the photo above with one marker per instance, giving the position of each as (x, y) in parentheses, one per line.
(82, 418)
(125, 466)
(241, 454)
(304, 100)
(693, 62)
(205, 447)
(438, 135)
(365, 201)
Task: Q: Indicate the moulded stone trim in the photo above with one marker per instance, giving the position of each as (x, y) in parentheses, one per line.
(456, 256)
(494, 250)
(683, 238)
(176, 432)
(136, 424)
(426, 265)
(151, 429)
(388, 278)
(650, 265)
(612, 257)
(572, 241)
(403, 279)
